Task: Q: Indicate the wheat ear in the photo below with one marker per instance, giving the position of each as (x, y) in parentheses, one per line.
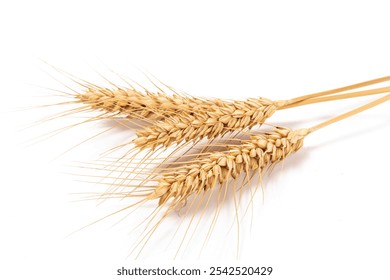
(206, 172)
(212, 120)
(131, 103)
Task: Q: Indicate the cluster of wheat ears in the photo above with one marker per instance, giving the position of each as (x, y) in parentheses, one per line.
(215, 143)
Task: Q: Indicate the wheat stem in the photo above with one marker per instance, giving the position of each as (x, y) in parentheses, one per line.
(351, 113)
(337, 97)
(341, 89)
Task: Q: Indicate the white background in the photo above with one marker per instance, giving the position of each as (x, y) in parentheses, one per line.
(326, 210)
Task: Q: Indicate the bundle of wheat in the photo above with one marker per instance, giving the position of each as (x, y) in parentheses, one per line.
(177, 119)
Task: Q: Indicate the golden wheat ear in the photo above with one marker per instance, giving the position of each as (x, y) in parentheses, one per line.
(135, 102)
(212, 119)
(205, 172)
